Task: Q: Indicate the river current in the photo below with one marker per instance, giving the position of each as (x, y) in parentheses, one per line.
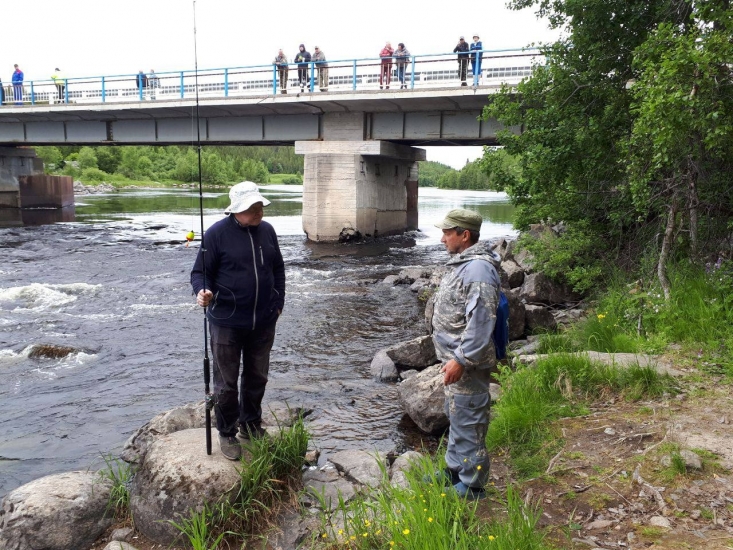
(114, 285)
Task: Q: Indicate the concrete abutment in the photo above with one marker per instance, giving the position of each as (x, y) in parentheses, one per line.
(23, 185)
(369, 187)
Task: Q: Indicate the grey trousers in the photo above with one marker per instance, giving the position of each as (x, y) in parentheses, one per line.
(469, 422)
(229, 346)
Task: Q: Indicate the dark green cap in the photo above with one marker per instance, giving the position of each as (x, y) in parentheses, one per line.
(467, 219)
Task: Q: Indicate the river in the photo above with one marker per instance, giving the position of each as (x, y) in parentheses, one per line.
(114, 285)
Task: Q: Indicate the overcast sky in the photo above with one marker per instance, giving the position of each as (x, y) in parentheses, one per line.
(105, 37)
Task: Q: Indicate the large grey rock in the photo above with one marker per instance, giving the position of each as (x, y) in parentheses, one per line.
(539, 317)
(324, 489)
(416, 353)
(391, 280)
(538, 288)
(517, 317)
(514, 273)
(401, 464)
(622, 360)
(57, 512)
(410, 274)
(177, 477)
(365, 468)
(383, 368)
(419, 285)
(188, 416)
(422, 398)
(293, 529)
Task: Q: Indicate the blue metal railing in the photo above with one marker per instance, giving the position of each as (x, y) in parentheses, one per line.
(424, 71)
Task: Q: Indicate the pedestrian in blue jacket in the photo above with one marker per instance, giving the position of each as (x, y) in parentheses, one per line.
(476, 58)
(18, 85)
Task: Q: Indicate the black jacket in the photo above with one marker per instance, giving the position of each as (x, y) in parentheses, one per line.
(246, 273)
(461, 48)
(302, 58)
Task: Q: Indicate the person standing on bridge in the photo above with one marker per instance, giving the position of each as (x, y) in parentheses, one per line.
(281, 61)
(142, 84)
(462, 49)
(153, 83)
(244, 291)
(17, 80)
(461, 317)
(476, 58)
(302, 58)
(385, 71)
(401, 55)
(59, 81)
(322, 69)
(2, 93)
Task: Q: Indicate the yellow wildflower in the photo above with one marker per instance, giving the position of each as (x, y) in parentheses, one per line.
(491, 537)
(366, 522)
(478, 467)
(391, 543)
(352, 537)
(325, 535)
(430, 520)
(341, 531)
(365, 535)
(601, 316)
(442, 494)
(405, 531)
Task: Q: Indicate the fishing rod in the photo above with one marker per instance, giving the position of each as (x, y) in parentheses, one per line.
(208, 399)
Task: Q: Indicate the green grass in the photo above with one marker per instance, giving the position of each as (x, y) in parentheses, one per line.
(558, 386)
(120, 474)
(286, 178)
(426, 515)
(198, 530)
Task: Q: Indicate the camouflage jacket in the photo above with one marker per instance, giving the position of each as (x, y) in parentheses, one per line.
(281, 61)
(464, 309)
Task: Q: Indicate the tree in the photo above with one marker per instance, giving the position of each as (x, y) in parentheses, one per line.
(87, 158)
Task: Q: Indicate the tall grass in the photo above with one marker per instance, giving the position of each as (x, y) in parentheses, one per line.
(427, 515)
(554, 387)
(120, 474)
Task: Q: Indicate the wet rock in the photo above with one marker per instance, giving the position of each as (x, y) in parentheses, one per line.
(538, 317)
(514, 273)
(349, 234)
(391, 280)
(538, 288)
(50, 351)
(123, 534)
(419, 285)
(175, 477)
(383, 368)
(411, 274)
(401, 464)
(660, 521)
(416, 353)
(692, 461)
(422, 399)
(57, 512)
(517, 315)
(360, 466)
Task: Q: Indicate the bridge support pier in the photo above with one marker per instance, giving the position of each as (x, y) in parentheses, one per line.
(353, 188)
(24, 185)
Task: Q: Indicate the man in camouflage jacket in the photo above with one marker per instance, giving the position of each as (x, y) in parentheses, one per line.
(463, 319)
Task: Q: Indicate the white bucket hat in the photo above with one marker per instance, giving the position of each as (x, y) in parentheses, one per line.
(243, 195)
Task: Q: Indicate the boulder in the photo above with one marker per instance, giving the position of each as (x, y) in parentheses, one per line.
(419, 285)
(324, 489)
(177, 477)
(514, 273)
(401, 464)
(538, 288)
(410, 274)
(423, 400)
(192, 415)
(517, 319)
(361, 467)
(383, 368)
(416, 353)
(539, 317)
(391, 280)
(57, 512)
(405, 374)
(692, 460)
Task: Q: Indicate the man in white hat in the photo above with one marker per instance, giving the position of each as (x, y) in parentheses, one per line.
(245, 294)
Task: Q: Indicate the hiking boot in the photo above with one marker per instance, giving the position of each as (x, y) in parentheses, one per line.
(230, 447)
(469, 493)
(445, 477)
(255, 431)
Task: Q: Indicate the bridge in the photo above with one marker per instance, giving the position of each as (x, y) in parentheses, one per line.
(356, 121)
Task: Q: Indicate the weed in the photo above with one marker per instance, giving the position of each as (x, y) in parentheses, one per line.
(120, 474)
(707, 513)
(575, 455)
(652, 532)
(197, 529)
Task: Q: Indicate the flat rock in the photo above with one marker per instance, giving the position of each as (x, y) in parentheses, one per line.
(599, 524)
(57, 512)
(293, 529)
(391, 280)
(325, 488)
(692, 460)
(360, 466)
(423, 400)
(619, 359)
(660, 521)
(123, 534)
(119, 545)
(177, 476)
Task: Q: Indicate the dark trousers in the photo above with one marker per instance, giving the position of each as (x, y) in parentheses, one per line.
(385, 73)
(62, 92)
(401, 73)
(243, 404)
(462, 68)
(18, 94)
(303, 77)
